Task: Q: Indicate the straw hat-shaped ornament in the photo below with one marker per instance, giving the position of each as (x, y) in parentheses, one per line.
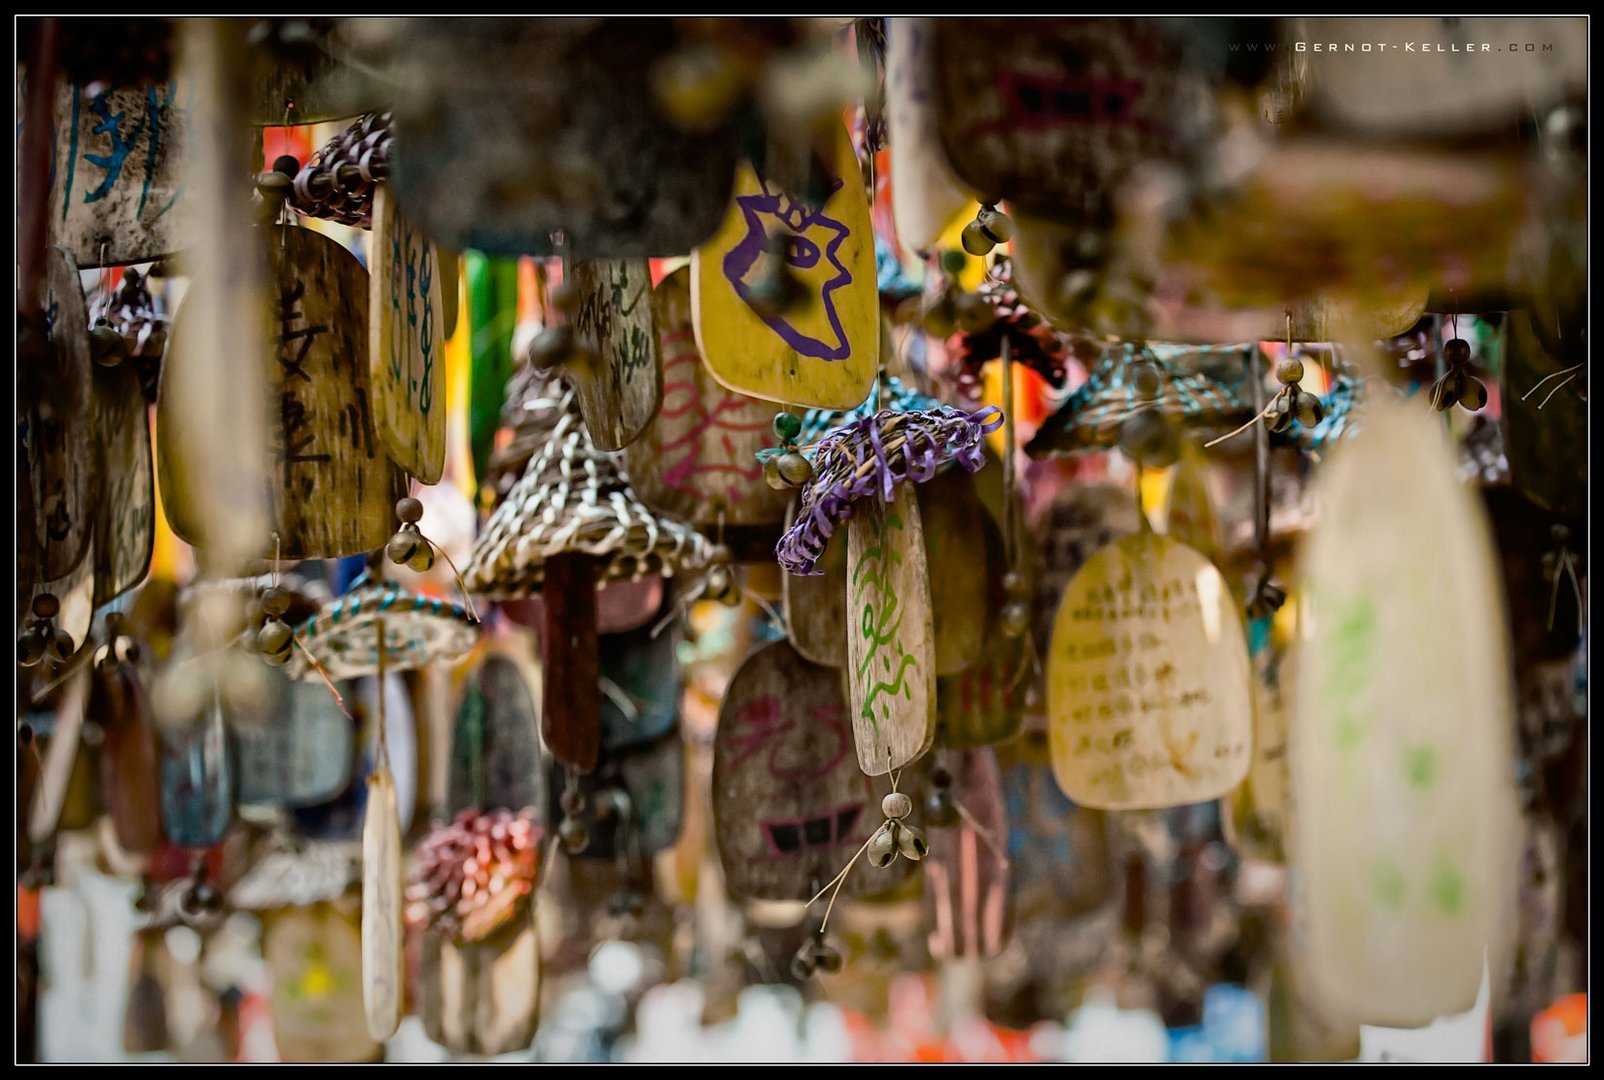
(569, 522)
(859, 477)
(1135, 400)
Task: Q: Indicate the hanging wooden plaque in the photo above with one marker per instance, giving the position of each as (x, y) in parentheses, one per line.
(954, 522)
(570, 715)
(1402, 748)
(1189, 507)
(481, 998)
(197, 781)
(697, 460)
(124, 513)
(641, 704)
(790, 804)
(495, 746)
(406, 339)
(1148, 684)
(816, 608)
(1053, 115)
(1058, 851)
(340, 818)
(620, 391)
(333, 487)
(823, 352)
(985, 702)
(518, 130)
(925, 195)
(129, 783)
(891, 670)
(307, 81)
(1545, 423)
(302, 754)
(966, 873)
(382, 987)
(53, 429)
(118, 190)
(314, 954)
(1080, 521)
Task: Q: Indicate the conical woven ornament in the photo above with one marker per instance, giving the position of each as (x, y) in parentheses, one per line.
(1130, 379)
(572, 498)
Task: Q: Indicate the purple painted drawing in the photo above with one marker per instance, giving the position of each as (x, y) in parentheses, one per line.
(812, 250)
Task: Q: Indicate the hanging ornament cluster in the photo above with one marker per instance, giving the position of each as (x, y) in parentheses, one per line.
(131, 313)
(1457, 384)
(1031, 339)
(784, 466)
(1292, 402)
(408, 546)
(337, 183)
(870, 457)
(990, 228)
(275, 640)
(469, 878)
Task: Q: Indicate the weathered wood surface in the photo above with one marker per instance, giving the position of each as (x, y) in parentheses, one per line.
(124, 512)
(620, 392)
(570, 716)
(495, 745)
(406, 336)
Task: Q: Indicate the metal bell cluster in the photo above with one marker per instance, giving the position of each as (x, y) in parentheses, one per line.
(1457, 384)
(953, 310)
(1292, 402)
(814, 956)
(786, 467)
(274, 639)
(896, 836)
(990, 228)
(43, 637)
(408, 546)
(1267, 598)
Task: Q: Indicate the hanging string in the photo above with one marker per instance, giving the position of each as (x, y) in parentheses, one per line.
(1570, 373)
(382, 758)
(318, 667)
(467, 597)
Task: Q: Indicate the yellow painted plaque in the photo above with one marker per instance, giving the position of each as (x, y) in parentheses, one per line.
(822, 351)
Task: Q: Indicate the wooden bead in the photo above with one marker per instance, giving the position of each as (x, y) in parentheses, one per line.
(1289, 370)
(106, 345)
(1456, 351)
(787, 426)
(46, 606)
(940, 811)
(1015, 585)
(573, 836)
(896, 805)
(409, 510)
(1014, 620)
(275, 601)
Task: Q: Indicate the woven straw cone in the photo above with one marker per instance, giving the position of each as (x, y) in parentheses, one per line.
(573, 497)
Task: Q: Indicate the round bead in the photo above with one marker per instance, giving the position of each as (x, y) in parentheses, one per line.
(787, 426)
(912, 843)
(771, 473)
(402, 546)
(273, 637)
(572, 802)
(61, 644)
(551, 347)
(1456, 351)
(287, 165)
(940, 811)
(794, 469)
(573, 836)
(1560, 534)
(1015, 585)
(975, 240)
(273, 186)
(275, 601)
(953, 261)
(1014, 620)
(1289, 370)
(896, 805)
(422, 560)
(409, 510)
(46, 606)
(30, 647)
(92, 734)
(719, 582)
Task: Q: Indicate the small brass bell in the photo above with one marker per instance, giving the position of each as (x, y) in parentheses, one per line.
(883, 845)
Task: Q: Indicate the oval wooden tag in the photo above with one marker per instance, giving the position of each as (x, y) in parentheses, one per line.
(341, 817)
(53, 429)
(118, 190)
(333, 488)
(644, 674)
(825, 351)
(1188, 506)
(381, 907)
(1261, 807)
(495, 746)
(985, 702)
(125, 510)
(620, 392)
(302, 755)
(128, 764)
(197, 780)
(698, 459)
(891, 670)
(816, 608)
(954, 522)
(1148, 685)
(966, 873)
(1058, 851)
(314, 954)
(406, 339)
(1080, 521)
(1403, 741)
(482, 998)
(925, 195)
(790, 805)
